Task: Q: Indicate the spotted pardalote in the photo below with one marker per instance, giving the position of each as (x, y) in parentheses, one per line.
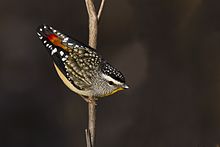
(79, 66)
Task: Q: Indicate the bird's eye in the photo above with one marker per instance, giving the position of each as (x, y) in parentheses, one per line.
(110, 83)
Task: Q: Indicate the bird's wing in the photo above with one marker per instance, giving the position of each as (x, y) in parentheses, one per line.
(74, 59)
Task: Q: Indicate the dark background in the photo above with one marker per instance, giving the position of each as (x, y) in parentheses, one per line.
(168, 50)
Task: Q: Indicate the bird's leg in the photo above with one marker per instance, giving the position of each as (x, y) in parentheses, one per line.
(85, 98)
(89, 100)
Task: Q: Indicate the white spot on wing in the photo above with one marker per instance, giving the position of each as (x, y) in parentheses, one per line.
(70, 44)
(61, 53)
(54, 51)
(65, 39)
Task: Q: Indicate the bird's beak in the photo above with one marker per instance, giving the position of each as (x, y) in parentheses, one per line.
(125, 86)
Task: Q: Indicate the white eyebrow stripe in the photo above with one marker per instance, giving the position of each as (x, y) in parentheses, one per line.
(108, 78)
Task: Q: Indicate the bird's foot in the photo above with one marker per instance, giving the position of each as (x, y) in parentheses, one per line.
(90, 99)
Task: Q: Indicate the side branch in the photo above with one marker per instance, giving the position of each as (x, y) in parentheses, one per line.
(100, 9)
(88, 138)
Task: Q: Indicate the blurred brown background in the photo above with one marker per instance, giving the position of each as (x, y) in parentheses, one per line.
(168, 50)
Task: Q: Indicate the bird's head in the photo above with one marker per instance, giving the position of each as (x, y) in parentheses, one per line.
(111, 80)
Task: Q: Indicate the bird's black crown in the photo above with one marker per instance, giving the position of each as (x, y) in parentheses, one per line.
(112, 72)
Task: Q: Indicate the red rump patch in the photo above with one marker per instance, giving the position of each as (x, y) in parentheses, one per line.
(52, 37)
(56, 41)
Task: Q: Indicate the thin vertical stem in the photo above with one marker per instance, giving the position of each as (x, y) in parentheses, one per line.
(93, 31)
(93, 25)
(92, 119)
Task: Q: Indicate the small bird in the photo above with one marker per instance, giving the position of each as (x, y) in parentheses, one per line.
(79, 66)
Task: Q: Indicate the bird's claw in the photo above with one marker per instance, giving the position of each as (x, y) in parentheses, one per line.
(90, 100)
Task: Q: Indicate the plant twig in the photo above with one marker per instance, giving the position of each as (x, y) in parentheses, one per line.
(93, 31)
(93, 27)
(91, 120)
(88, 139)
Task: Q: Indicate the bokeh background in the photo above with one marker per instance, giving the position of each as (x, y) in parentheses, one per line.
(168, 50)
